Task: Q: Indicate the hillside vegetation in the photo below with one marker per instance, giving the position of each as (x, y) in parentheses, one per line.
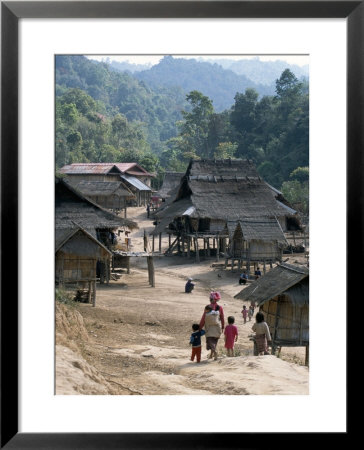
(164, 116)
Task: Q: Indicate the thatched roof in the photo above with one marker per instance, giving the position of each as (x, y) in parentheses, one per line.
(103, 188)
(287, 279)
(64, 235)
(264, 229)
(170, 182)
(222, 167)
(232, 198)
(73, 209)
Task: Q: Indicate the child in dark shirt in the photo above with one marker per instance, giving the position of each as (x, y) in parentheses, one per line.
(195, 341)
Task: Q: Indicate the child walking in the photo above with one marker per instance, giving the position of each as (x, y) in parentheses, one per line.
(195, 341)
(244, 312)
(231, 336)
(251, 312)
(262, 334)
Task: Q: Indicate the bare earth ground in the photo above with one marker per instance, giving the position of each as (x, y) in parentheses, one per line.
(136, 340)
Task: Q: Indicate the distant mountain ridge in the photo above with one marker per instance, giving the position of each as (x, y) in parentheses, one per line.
(217, 83)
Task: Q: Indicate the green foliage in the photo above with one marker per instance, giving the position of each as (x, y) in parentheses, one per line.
(103, 115)
(297, 194)
(300, 174)
(63, 296)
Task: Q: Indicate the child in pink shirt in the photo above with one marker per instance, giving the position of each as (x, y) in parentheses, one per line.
(231, 336)
(244, 312)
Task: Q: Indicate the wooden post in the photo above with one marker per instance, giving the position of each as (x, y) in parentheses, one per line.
(275, 326)
(153, 244)
(188, 247)
(151, 271)
(197, 250)
(89, 291)
(307, 359)
(169, 240)
(128, 265)
(208, 247)
(94, 293)
(160, 242)
(183, 245)
(264, 268)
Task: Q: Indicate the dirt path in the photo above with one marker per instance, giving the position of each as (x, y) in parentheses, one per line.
(138, 336)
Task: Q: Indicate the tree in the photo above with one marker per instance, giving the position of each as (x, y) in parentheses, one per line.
(195, 128)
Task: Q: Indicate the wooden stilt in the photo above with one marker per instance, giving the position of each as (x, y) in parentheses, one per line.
(89, 291)
(197, 250)
(128, 265)
(188, 247)
(94, 293)
(160, 242)
(151, 275)
(307, 359)
(153, 244)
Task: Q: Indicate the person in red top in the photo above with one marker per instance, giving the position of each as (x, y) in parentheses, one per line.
(214, 298)
(231, 336)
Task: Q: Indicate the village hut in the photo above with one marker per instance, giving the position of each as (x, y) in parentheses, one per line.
(255, 241)
(134, 176)
(111, 195)
(213, 193)
(77, 256)
(282, 295)
(72, 209)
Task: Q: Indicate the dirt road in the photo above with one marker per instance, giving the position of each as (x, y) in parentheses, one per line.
(138, 337)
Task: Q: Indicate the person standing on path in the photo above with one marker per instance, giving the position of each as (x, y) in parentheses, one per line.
(262, 334)
(244, 312)
(195, 341)
(214, 298)
(213, 330)
(231, 336)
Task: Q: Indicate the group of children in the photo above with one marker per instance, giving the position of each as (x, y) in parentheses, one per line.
(212, 326)
(248, 312)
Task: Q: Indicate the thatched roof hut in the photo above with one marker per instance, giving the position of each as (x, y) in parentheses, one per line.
(108, 194)
(137, 179)
(256, 240)
(77, 256)
(170, 182)
(227, 190)
(282, 294)
(72, 209)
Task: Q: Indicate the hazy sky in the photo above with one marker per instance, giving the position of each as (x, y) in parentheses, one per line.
(299, 60)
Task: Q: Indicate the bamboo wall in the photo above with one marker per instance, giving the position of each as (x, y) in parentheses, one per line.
(288, 323)
(77, 258)
(73, 268)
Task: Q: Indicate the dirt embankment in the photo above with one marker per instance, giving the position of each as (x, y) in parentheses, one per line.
(136, 340)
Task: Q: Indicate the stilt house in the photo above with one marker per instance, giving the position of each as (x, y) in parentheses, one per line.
(213, 193)
(77, 254)
(135, 177)
(255, 241)
(73, 212)
(282, 295)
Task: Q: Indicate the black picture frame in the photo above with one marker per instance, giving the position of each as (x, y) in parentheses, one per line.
(11, 13)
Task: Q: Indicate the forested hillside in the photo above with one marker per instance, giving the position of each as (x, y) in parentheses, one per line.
(106, 115)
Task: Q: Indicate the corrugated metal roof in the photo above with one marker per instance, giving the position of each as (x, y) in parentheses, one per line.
(103, 168)
(87, 168)
(136, 183)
